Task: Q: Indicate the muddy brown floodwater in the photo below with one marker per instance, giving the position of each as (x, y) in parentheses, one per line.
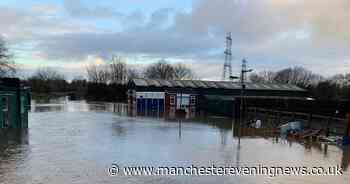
(76, 143)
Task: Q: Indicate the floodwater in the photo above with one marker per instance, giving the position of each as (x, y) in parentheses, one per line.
(76, 142)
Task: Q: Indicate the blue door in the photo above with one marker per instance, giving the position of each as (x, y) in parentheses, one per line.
(149, 103)
(141, 104)
(155, 105)
(161, 105)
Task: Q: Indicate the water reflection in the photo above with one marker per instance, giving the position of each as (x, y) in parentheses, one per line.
(79, 106)
(14, 149)
(13, 138)
(74, 142)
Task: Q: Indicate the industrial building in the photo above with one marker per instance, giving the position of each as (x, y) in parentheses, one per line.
(14, 104)
(158, 97)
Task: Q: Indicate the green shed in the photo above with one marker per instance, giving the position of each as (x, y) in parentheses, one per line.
(218, 104)
(14, 104)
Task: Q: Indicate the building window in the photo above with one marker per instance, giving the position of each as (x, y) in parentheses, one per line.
(193, 100)
(172, 99)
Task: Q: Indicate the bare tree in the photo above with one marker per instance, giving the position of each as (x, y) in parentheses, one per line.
(298, 76)
(263, 76)
(7, 65)
(98, 74)
(164, 70)
(160, 70)
(182, 72)
(104, 75)
(118, 71)
(92, 73)
(284, 76)
(268, 76)
(294, 75)
(133, 73)
(341, 79)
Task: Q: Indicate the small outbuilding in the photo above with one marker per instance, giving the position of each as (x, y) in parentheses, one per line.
(14, 104)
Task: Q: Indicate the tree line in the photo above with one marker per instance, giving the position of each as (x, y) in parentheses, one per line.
(104, 82)
(336, 87)
(108, 82)
(118, 71)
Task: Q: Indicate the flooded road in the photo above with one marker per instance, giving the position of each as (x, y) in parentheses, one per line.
(76, 142)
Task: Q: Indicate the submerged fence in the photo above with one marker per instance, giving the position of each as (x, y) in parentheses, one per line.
(274, 118)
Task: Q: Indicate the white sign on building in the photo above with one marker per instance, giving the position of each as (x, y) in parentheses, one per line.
(150, 95)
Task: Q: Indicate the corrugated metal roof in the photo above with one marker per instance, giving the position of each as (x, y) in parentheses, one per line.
(188, 83)
(140, 82)
(153, 83)
(200, 84)
(179, 84)
(213, 84)
(164, 83)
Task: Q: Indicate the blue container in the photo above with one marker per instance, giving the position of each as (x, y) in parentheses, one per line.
(346, 140)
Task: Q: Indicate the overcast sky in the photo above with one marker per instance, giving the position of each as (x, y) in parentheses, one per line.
(271, 34)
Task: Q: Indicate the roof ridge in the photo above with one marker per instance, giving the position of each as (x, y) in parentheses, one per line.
(216, 84)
